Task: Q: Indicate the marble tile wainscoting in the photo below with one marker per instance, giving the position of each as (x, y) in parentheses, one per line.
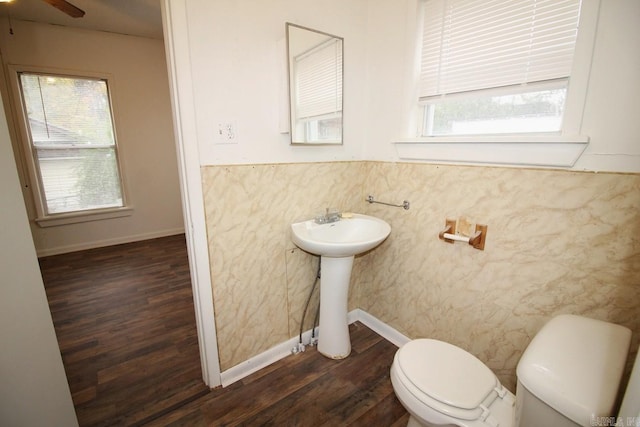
(558, 242)
(260, 279)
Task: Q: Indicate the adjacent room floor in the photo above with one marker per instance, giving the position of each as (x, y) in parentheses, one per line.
(125, 324)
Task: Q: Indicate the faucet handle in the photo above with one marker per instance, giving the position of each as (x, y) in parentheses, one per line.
(331, 215)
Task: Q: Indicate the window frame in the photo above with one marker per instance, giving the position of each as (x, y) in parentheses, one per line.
(43, 218)
(558, 149)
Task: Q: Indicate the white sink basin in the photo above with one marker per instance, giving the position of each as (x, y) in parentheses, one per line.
(346, 237)
(337, 243)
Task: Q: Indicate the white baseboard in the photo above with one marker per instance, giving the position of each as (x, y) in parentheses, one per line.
(284, 349)
(107, 242)
(262, 360)
(381, 328)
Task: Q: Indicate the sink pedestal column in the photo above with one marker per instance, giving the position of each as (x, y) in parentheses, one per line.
(334, 341)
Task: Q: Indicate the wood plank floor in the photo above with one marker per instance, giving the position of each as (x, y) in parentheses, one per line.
(306, 389)
(125, 324)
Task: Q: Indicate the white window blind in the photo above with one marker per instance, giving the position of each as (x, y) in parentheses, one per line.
(471, 45)
(318, 75)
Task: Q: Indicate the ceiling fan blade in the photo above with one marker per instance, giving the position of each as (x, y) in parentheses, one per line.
(67, 8)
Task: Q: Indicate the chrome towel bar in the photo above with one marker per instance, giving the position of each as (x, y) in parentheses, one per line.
(405, 204)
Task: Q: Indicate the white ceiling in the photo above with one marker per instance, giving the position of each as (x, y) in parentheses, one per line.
(134, 17)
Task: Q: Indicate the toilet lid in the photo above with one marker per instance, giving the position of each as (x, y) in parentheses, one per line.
(446, 373)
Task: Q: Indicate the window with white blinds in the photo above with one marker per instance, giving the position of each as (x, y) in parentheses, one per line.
(318, 80)
(499, 66)
(72, 143)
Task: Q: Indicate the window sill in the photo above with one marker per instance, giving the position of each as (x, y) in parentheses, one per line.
(86, 216)
(522, 150)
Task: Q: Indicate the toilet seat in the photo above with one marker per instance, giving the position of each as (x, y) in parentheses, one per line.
(448, 380)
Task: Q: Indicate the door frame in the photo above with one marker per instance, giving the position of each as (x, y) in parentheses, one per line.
(176, 40)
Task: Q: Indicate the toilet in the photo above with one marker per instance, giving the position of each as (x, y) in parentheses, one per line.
(568, 376)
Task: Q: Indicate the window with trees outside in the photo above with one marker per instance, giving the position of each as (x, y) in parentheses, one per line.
(72, 143)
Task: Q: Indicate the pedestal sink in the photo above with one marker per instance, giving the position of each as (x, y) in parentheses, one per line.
(337, 243)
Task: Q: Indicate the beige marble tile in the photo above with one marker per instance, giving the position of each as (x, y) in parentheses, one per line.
(260, 281)
(558, 242)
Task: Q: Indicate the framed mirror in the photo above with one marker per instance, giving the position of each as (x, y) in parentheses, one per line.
(315, 86)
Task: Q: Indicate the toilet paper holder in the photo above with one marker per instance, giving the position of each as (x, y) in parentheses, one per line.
(476, 240)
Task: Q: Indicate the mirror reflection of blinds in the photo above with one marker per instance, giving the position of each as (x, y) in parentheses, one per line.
(471, 45)
(318, 75)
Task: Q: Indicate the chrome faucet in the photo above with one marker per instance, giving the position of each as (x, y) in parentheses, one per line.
(330, 216)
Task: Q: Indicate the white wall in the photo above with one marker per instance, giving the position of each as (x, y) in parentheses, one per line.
(238, 64)
(143, 120)
(612, 108)
(34, 389)
(236, 51)
(390, 91)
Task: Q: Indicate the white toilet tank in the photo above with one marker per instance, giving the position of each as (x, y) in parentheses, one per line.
(570, 373)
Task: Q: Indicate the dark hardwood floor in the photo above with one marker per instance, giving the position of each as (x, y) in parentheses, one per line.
(125, 324)
(306, 389)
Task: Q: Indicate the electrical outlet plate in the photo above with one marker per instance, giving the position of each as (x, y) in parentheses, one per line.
(226, 132)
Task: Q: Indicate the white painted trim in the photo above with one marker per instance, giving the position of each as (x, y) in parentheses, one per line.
(108, 242)
(284, 349)
(581, 70)
(385, 331)
(176, 40)
(262, 360)
(545, 154)
(353, 316)
(86, 216)
(527, 138)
